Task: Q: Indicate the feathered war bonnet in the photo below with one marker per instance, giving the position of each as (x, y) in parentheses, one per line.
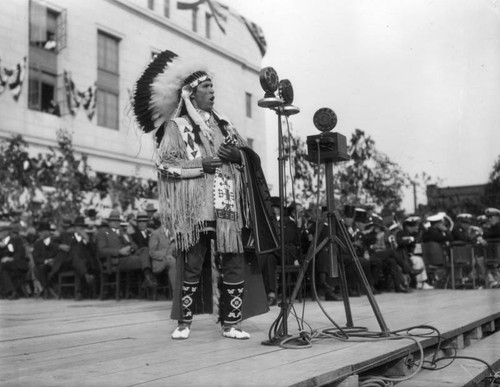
(163, 92)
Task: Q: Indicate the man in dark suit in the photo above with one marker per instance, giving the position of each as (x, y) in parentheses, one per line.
(45, 250)
(76, 253)
(121, 251)
(13, 262)
(142, 233)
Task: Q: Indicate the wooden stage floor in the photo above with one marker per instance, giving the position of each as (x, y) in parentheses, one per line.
(127, 343)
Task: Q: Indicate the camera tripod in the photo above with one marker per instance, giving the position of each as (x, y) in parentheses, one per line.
(338, 240)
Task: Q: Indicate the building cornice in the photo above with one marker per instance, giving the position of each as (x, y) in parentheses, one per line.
(186, 34)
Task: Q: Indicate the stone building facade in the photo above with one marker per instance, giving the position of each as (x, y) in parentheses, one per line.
(73, 64)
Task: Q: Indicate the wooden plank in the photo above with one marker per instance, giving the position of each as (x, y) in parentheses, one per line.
(64, 342)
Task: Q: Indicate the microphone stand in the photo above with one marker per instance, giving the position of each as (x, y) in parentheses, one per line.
(281, 182)
(281, 322)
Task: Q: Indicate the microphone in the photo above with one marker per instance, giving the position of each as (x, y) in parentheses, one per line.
(325, 119)
(269, 82)
(326, 147)
(286, 94)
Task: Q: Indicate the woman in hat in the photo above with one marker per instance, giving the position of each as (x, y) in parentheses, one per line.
(212, 193)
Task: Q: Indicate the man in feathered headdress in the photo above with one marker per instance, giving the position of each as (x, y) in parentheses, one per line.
(212, 193)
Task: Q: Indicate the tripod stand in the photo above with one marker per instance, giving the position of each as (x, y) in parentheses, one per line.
(338, 240)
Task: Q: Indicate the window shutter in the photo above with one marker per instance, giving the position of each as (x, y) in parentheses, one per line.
(61, 31)
(61, 96)
(38, 22)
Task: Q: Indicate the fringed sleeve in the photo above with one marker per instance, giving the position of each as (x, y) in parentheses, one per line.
(180, 199)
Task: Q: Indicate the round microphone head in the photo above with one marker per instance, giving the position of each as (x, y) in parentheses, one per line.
(286, 91)
(325, 119)
(269, 79)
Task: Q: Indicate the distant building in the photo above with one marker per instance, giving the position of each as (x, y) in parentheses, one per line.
(458, 199)
(73, 65)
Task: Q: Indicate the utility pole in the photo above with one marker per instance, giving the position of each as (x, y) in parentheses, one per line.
(414, 197)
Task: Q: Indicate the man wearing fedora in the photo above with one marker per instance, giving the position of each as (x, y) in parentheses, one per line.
(150, 210)
(121, 251)
(13, 262)
(76, 253)
(141, 233)
(45, 250)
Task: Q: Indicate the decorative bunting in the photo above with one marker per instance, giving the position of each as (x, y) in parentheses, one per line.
(215, 7)
(13, 79)
(76, 98)
(220, 12)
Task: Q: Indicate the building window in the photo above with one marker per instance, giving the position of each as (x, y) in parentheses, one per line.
(248, 101)
(47, 27)
(166, 8)
(107, 109)
(47, 37)
(195, 20)
(151, 4)
(107, 80)
(208, 25)
(43, 92)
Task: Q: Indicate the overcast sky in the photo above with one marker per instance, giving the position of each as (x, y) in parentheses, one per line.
(421, 77)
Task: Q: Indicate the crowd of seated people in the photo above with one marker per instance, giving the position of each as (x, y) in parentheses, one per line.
(394, 256)
(33, 255)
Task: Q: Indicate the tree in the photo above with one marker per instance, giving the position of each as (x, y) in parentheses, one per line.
(303, 174)
(125, 198)
(18, 178)
(369, 179)
(491, 196)
(69, 178)
(62, 179)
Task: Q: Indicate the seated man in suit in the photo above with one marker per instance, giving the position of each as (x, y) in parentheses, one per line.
(13, 262)
(45, 250)
(76, 253)
(122, 252)
(163, 252)
(141, 233)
